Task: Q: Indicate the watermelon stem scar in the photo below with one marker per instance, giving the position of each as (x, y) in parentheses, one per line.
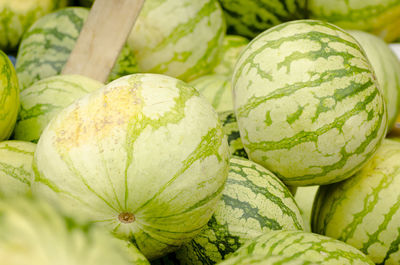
(126, 218)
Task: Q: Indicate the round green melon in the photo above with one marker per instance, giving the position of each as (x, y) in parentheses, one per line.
(231, 48)
(364, 211)
(251, 17)
(307, 103)
(16, 16)
(179, 38)
(9, 97)
(254, 202)
(381, 18)
(16, 173)
(231, 129)
(32, 232)
(145, 156)
(217, 88)
(387, 70)
(296, 247)
(41, 101)
(304, 197)
(46, 46)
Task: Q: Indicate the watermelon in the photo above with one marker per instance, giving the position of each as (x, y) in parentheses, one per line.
(17, 16)
(296, 247)
(381, 18)
(364, 211)
(304, 198)
(32, 232)
(231, 48)
(231, 130)
(387, 70)
(254, 202)
(217, 88)
(9, 96)
(41, 101)
(179, 38)
(145, 156)
(307, 103)
(16, 174)
(46, 46)
(251, 17)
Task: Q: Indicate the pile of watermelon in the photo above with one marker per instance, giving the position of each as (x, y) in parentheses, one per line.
(228, 132)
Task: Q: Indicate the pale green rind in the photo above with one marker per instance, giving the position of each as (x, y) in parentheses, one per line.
(387, 70)
(305, 198)
(41, 101)
(46, 46)
(231, 48)
(16, 173)
(9, 97)
(145, 144)
(179, 38)
(231, 129)
(381, 18)
(17, 16)
(307, 103)
(217, 89)
(251, 17)
(254, 202)
(364, 211)
(32, 232)
(302, 247)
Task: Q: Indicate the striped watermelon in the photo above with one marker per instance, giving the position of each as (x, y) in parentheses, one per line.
(231, 48)
(296, 247)
(304, 198)
(9, 96)
(251, 17)
(34, 233)
(16, 174)
(179, 38)
(45, 47)
(217, 88)
(387, 70)
(364, 211)
(17, 16)
(254, 202)
(145, 156)
(379, 17)
(41, 101)
(231, 130)
(307, 103)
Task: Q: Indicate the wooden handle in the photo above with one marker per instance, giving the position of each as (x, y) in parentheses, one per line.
(102, 38)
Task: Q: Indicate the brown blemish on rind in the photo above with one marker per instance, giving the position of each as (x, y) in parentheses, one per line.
(96, 117)
(126, 218)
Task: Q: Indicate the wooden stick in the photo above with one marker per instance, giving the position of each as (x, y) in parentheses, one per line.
(102, 38)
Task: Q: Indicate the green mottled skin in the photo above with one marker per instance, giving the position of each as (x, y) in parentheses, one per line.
(32, 232)
(17, 16)
(179, 38)
(42, 101)
(45, 47)
(157, 152)
(231, 129)
(231, 48)
(217, 88)
(387, 69)
(364, 211)
(9, 97)
(307, 103)
(251, 17)
(254, 202)
(296, 247)
(16, 174)
(381, 18)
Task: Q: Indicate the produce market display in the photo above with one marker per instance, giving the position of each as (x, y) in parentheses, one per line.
(251, 132)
